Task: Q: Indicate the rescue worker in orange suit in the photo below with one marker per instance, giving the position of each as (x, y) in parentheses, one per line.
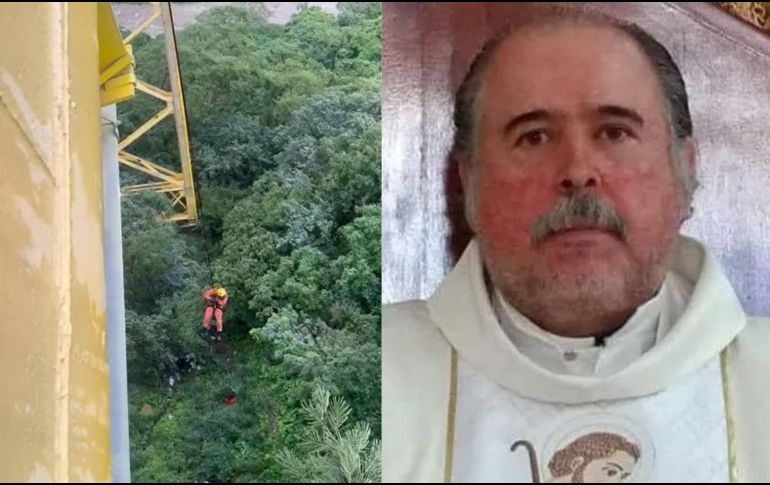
(216, 299)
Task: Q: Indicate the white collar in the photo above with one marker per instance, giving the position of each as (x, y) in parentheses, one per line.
(582, 356)
(711, 319)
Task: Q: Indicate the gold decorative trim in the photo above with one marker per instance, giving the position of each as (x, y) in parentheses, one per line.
(451, 414)
(755, 13)
(732, 462)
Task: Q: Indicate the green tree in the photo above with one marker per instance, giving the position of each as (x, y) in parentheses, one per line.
(285, 132)
(358, 12)
(332, 450)
(159, 261)
(316, 32)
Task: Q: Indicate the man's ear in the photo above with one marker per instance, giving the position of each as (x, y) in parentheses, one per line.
(462, 168)
(576, 462)
(468, 189)
(689, 153)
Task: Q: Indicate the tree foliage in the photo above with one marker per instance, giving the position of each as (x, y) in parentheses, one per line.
(331, 450)
(285, 134)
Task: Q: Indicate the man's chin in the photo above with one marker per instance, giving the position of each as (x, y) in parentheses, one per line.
(578, 251)
(584, 283)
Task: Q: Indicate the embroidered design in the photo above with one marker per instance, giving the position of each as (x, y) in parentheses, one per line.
(597, 448)
(595, 458)
(534, 467)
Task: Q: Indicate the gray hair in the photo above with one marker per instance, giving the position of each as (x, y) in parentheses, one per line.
(581, 207)
(672, 84)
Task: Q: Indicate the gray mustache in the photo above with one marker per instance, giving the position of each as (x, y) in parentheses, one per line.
(578, 209)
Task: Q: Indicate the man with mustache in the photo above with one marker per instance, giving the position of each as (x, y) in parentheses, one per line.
(577, 297)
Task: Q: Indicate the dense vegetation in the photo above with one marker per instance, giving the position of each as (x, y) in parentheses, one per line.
(285, 133)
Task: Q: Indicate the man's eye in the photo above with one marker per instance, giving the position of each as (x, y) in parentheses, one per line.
(615, 133)
(532, 138)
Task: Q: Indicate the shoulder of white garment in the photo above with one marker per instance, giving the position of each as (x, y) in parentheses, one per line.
(409, 333)
(415, 384)
(394, 313)
(753, 343)
(410, 317)
(748, 384)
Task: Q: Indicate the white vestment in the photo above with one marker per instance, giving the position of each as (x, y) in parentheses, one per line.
(680, 393)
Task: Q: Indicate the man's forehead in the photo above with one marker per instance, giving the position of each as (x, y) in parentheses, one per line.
(585, 35)
(568, 59)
